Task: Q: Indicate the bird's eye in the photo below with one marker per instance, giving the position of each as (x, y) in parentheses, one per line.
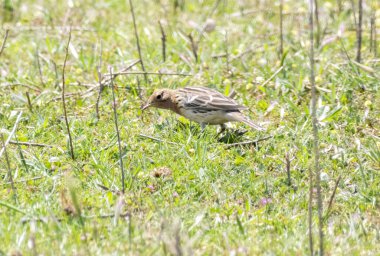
(159, 97)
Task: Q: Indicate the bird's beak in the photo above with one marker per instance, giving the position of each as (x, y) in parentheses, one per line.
(147, 105)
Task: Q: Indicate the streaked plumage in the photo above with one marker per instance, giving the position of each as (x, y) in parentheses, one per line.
(200, 104)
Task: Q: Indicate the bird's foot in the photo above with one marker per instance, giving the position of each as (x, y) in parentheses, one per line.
(230, 136)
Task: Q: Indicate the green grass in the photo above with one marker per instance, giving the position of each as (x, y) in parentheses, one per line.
(216, 200)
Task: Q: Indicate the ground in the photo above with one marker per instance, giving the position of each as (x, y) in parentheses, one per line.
(186, 191)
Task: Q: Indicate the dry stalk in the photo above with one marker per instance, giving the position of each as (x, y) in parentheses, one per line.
(4, 41)
(101, 86)
(29, 102)
(117, 132)
(138, 40)
(316, 144)
(359, 32)
(281, 28)
(163, 41)
(63, 97)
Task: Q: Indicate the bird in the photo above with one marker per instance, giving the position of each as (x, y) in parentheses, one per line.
(203, 105)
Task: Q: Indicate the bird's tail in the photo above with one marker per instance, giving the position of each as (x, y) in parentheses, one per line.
(238, 116)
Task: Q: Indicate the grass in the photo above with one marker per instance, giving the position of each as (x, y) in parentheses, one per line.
(186, 191)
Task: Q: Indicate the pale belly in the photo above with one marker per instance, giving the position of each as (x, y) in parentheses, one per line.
(211, 117)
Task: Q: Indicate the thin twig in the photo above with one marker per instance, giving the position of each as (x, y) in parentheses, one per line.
(287, 164)
(39, 67)
(156, 139)
(4, 41)
(149, 73)
(245, 143)
(227, 53)
(374, 37)
(56, 74)
(107, 79)
(139, 88)
(20, 84)
(310, 201)
(138, 41)
(29, 102)
(45, 219)
(353, 13)
(12, 133)
(208, 16)
(21, 155)
(372, 29)
(272, 76)
(194, 47)
(26, 180)
(33, 144)
(163, 41)
(117, 132)
(63, 97)
(281, 28)
(315, 135)
(332, 197)
(101, 86)
(10, 177)
(359, 32)
(254, 50)
(318, 35)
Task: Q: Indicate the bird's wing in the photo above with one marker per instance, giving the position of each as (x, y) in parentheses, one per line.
(202, 98)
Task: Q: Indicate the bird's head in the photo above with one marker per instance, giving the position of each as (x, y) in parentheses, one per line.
(159, 99)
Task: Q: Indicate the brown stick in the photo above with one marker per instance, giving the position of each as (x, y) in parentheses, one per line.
(39, 67)
(332, 197)
(63, 97)
(359, 32)
(372, 22)
(281, 29)
(316, 142)
(101, 86)
(4, 41)
(29, 102)
(20, 84)
(194, 47)
(310, 202)
(117, 132)
(287, 164)
(374, 37)
(149, 73)
(227, 53)
(138, 40)
(32, 144)
(163, 41)
(318, 34)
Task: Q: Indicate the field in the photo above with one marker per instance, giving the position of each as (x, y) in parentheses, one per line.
(187, 191)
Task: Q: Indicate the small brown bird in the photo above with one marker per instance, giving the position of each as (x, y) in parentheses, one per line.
(200, 104)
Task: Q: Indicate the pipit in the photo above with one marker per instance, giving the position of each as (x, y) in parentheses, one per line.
(200, 104)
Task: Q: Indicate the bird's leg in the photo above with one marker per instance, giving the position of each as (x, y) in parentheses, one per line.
(223, 128)
(203, 126)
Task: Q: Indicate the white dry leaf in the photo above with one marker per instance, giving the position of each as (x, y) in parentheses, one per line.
(209, 25)
(73, 51)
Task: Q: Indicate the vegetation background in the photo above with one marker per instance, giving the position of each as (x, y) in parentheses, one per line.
(186, 192)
